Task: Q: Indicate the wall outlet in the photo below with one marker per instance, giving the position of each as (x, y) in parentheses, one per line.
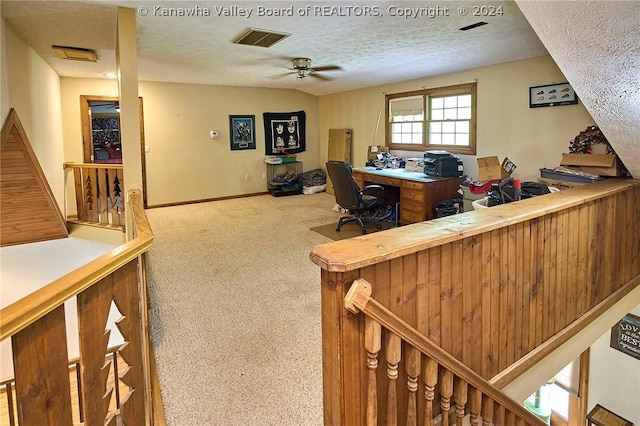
(213, 134)
(264, 175)
(246, 177)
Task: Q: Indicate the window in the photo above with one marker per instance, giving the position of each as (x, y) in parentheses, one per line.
(449, 122)
(562, 401)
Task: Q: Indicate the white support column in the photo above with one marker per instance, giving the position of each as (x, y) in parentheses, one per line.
(127, 64)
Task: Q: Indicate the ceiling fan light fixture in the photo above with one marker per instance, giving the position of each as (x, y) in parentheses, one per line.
(302, 67)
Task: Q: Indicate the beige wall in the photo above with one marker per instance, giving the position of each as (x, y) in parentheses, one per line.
(532, 138)
(32, 88)
(614, 378)
(183, 164)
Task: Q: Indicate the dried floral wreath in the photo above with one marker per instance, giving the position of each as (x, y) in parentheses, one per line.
(583, 142)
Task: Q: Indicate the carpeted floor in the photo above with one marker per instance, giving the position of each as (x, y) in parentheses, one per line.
(235, 310)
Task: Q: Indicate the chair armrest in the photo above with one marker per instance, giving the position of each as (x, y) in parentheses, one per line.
(378, 188)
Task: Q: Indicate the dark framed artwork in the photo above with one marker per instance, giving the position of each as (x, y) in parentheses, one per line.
(242, 131)
(552, 95)
(284, 132)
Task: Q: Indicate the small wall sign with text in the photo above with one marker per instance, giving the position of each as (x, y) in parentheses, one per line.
(625, 336)
(552, 95)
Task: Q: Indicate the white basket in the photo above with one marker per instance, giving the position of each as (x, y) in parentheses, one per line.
(482, 203)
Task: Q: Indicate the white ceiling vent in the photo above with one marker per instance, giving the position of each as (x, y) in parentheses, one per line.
(257, 37)
(75, 53)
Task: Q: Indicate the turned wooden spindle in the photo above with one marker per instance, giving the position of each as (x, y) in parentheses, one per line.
(446, 391)
(392, 353)
(460, 398)
(487, 411)
(475, 406)
(412, 365)
(372, 344)
(430, 374)
(499, 416)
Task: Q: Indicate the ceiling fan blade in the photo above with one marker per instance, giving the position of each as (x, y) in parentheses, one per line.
(320, 76)
(277, 76)
(328, 68)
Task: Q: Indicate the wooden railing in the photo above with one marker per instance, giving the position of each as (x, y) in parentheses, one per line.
(494, 288)
(442, 374)
(8, 407)
(36, 325)
(98, 193)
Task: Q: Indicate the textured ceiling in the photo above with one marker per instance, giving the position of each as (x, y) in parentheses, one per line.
(597, 46)
(371, 50)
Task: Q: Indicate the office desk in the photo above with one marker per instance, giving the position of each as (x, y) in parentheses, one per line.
(416, 192)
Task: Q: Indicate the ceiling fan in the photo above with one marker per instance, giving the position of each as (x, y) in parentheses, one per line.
(302, 69)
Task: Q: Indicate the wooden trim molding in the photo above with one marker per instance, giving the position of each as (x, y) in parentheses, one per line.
(29, 211)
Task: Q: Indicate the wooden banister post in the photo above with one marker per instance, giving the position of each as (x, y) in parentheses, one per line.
(412, 364)
(460, 397)
(487, 411)
(392, 353)
(358, 296)
(372, 343)
(446, 391)
(475, 406)
(430, 381)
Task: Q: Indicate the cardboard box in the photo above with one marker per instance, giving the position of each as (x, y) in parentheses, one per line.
(490, 168)
(595, 164)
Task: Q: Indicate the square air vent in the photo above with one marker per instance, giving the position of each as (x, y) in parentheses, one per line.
(75, 53)
(257, 37)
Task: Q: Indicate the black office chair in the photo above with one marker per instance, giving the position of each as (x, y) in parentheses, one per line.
(351, 197)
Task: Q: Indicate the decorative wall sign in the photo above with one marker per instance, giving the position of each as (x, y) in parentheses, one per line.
(242, 131)
(284, 132)
(552, 95)
(625, 335)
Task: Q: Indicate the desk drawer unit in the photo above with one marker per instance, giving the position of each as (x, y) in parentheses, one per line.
(412, 206)
(384, 180)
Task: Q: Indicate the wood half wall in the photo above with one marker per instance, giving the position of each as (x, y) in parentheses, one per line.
(28, 209)
(491, 287)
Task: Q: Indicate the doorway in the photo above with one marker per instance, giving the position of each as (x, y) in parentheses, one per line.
(101, 139)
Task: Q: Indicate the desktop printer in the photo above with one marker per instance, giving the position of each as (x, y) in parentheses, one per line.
(442, 164)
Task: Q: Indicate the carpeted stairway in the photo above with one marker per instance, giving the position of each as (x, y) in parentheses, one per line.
(235, 310)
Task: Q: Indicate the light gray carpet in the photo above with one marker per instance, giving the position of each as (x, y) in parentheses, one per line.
(235, 310)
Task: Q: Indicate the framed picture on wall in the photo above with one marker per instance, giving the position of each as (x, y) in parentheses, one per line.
(242, 131)
(284, 132)
(552, 95)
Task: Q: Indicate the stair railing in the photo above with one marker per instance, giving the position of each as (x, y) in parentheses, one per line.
(493, 288)
(462, 391)
(36, 326)
(98, 193)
